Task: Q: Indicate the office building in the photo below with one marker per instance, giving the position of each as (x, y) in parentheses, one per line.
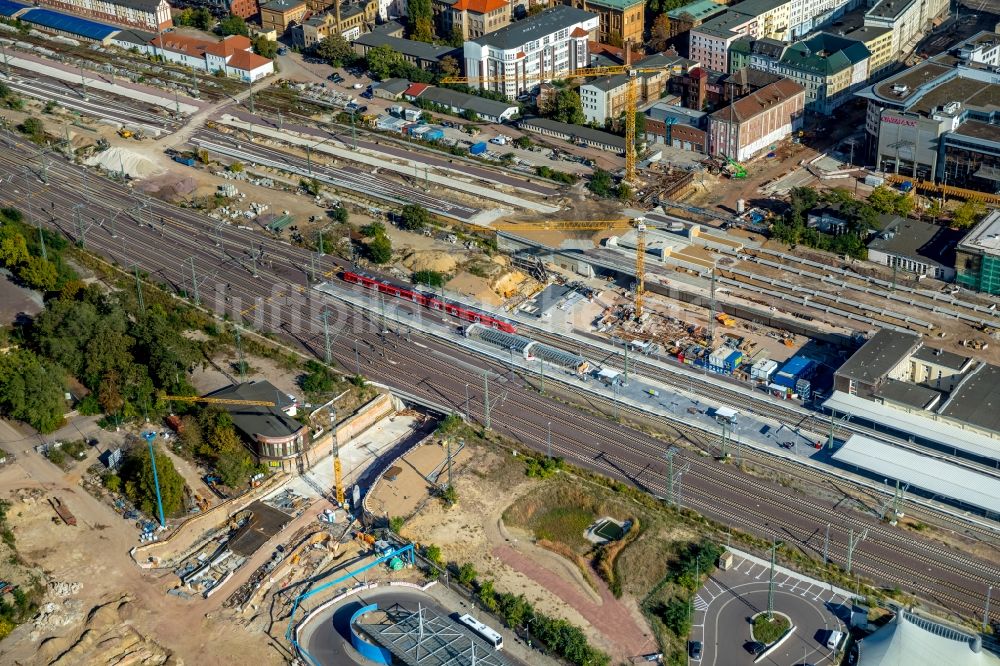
(752, 124)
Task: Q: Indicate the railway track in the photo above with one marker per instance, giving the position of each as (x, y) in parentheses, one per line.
(166, 249)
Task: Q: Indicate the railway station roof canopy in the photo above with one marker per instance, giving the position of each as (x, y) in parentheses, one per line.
(424, 638)
(910, 640)
(912, 423)
(924, 472)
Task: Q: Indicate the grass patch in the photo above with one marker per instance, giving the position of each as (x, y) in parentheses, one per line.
(769, 630)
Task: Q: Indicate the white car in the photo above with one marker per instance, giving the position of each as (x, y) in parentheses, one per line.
(359, 86)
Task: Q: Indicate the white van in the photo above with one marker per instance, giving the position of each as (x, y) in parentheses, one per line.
(833, 642)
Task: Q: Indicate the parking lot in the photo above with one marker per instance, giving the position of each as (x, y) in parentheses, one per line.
(725, 604)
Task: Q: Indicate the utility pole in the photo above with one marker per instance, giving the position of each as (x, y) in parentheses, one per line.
(486, 399)
(770, 585)
(327, 353)
(6, 63)
(80, 230)
(548, 438)
(467, 402)
(725, 437)
(320, 234)
(671, 452)
(357, 359)
(625, 382)
(826, 545)
(852, 543)
(194, 283)
(541, 372)
(138, 290)
(986, 611)
(250, 82)
(280, 122)
(239, 352)
(711, 307)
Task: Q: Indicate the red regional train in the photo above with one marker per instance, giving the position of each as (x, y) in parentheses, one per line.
(428, 301)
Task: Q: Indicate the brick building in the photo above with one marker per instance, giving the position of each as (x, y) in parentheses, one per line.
(621, 21)
(146, 14)
(750, 125)
(279, 15)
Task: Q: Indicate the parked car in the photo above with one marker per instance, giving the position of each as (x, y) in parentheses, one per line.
(367, 94)
(336, 78)
(694, 650)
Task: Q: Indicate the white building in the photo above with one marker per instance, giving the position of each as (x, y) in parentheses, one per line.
(233, 55)
(547, 46)
(709, 42)
(603, 98)
(906, 18)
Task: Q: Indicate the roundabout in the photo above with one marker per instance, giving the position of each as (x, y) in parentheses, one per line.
(726, 606)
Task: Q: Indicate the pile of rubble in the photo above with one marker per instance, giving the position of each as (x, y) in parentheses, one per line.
(246, 177)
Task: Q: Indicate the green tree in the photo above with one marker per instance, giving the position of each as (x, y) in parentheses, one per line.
(396, 524)
(414, 217)
(311, 186)
(233, 25)
(13, 247)
(318, 378)
(339, 214)
(34, 129)
(660, 32)
(335, 50)
(524, 142)
(676, 614)
(39, 273)
(883, 199)
(31, 390)
(235, 467)
(140, 487)
(430, 278)
(967, 214)
(433, 553)
(449, 66)
(373, 230)
(264, 47)
(467, 573)
(202, 19)
(420, 20)
(455, 37)
(380, 250)
(383, 60)
(566, 107)
(600, 183)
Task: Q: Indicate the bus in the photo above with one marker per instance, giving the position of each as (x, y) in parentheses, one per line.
(484, 632)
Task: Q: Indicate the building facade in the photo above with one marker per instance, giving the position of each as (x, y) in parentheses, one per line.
(279, 15)
(977, 257)
(243, 8)
(233, 56)
(940, 119)
(603, 98)
(621, 21)
(915, 248)
(709, 43)
(831, 68)
(514, 60)
(474, 18)
(349, 21)
(146, 14)
(750, 125)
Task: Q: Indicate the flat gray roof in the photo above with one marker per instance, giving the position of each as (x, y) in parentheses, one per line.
(930, 243)
(930, 474)
(465, 101)
(580, 131)
(905, 393)
(535, 27)
(927, 427)
(947, 359)
(879, 355)
(408, 47)
(258, 420)
(985, 236)
(976, 399)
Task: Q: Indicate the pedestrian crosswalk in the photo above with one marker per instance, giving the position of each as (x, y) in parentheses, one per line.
(699, 603)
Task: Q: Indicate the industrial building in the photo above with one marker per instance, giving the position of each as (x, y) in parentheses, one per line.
(977, 256)
(272, 434)
(916, 248)
(940, 120)
(577, 133)
(917, 641)
(457, 102)
(69, 26)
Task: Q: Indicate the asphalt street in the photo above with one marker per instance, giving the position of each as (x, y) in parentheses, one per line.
(264, 282)
(724, 605)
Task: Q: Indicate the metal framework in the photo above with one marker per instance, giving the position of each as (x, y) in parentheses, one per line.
(217, 401)
(424, 638)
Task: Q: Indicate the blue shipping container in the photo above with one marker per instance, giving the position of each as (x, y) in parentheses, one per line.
(733, 360)
(798, 367)
(433, 135)
(478, 148)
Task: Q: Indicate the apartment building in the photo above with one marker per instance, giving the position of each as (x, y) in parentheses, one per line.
(709, 43)
(473, 18)
(692, 15)
(830, 67)
(243, 8)
(146, 14)
(279, 15)
(519, 57)
(348, 20)
(752, 124)
(809, 15)
(940, 119)
(621, 21)
(906, 19)
(603, 98)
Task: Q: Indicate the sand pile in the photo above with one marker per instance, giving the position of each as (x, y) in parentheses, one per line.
(431, 260)
(122, 159)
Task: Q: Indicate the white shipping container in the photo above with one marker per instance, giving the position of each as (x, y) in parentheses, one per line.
(763, 369)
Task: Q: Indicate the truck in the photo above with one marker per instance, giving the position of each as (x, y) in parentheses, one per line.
(478, 148)
(62, 511)
(186, 160)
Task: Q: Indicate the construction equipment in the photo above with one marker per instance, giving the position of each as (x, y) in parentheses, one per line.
(725, 319)
(149, 437)
(217, 401)
(338, 480)
(630, 96)
(124, 133)
(591, 225)
(735, 170)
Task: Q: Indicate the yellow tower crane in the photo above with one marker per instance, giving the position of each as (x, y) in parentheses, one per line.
(639, 224)
(217, 401)
(338, 472)
(631, 96)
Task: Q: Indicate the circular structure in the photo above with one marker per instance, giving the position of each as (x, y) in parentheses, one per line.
(725, 606)
(375, 626)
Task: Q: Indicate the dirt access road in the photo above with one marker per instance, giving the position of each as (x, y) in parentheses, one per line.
(95, 554)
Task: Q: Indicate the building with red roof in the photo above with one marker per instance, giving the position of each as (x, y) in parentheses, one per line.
(474, 18)
(232, 55)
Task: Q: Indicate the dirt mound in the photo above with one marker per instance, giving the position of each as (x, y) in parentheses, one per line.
(168, 187)
(106, 638)
(117, 160)
(431, 260)
(507, 284)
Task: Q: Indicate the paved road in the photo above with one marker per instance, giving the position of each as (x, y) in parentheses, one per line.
(327, 636)
(279, 301)
(728, 599)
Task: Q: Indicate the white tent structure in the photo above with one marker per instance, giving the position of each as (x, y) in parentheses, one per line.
(910, 640)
